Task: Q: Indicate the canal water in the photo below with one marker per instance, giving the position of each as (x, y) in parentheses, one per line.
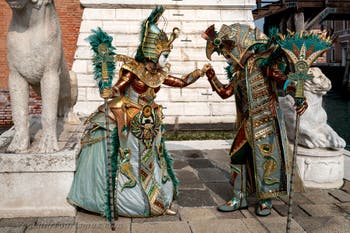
(338, 112)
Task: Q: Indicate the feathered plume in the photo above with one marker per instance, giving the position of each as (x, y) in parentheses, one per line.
(270, 51)
(103, 58)
(303, 49)
(155, 14)
(305, 46)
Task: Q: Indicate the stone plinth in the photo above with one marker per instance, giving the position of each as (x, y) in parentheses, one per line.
(321, 168)
(36, 185)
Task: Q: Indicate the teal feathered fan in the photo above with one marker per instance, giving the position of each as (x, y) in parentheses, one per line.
(103, 58)
(303, 49)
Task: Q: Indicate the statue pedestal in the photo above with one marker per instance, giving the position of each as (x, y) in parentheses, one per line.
(321, 168)
(36, 185)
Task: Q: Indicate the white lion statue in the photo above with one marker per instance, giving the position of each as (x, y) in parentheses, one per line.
(35, 58)
(314, 132)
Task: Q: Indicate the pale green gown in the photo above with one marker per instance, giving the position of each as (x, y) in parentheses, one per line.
(146, 183)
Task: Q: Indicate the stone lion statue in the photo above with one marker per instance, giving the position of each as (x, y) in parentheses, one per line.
(35, 58)
(314, 132)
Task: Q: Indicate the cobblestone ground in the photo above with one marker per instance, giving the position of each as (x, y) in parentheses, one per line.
(204, 184)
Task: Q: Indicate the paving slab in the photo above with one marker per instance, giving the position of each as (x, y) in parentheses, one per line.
(340, 195)
(153, 227)
(95, 219)
(283, 210)
(163, 218)
(200, 163)
(191, 214)
(56, 220)
(15, 222)
(310, 224)
(12, 229)
(218, 226)
(247, 214)
(223, 189)
(89, 218)
(188, 180)
(279, 224)
(195, 198)
(220, 158)
(320, 210)
(103, 228)
(327, 224)
(254, 226)
(298, 198)
(179, 164)
(218, 200)
(317, 196)
(51, 229)
(187, 154)
(212, 175)
(345, 207)
(123, 220)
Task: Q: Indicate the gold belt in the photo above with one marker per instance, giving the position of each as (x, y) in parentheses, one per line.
(127, 106)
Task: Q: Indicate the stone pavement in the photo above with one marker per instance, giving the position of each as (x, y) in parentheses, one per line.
(203, 171)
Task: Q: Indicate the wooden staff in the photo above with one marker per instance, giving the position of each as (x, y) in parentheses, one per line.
(105, 78)
(291, 188)
(299, 100)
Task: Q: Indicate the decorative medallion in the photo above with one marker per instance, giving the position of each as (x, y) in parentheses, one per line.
(265, 149)
(145, 125)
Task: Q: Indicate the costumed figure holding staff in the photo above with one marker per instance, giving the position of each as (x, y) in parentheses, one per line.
(302, 49)
(138, 180)
(256, 70)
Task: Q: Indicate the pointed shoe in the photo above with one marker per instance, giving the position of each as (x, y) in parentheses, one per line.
(264, 208)
(233, 205)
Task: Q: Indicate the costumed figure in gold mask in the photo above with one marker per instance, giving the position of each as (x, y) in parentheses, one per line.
(141, 182)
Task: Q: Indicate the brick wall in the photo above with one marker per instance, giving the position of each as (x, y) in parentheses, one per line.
(5, 106)
(70, 13)
(5, 16)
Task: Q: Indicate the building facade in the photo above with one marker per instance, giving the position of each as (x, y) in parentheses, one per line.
(196, 104)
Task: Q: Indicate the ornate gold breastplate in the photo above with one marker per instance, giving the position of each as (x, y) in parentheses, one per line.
(151, 79)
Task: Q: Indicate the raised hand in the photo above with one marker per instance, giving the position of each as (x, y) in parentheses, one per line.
(301, 107)
(210, 73)
(205, 68)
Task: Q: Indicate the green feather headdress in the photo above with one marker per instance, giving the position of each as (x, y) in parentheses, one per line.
(103, 58)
